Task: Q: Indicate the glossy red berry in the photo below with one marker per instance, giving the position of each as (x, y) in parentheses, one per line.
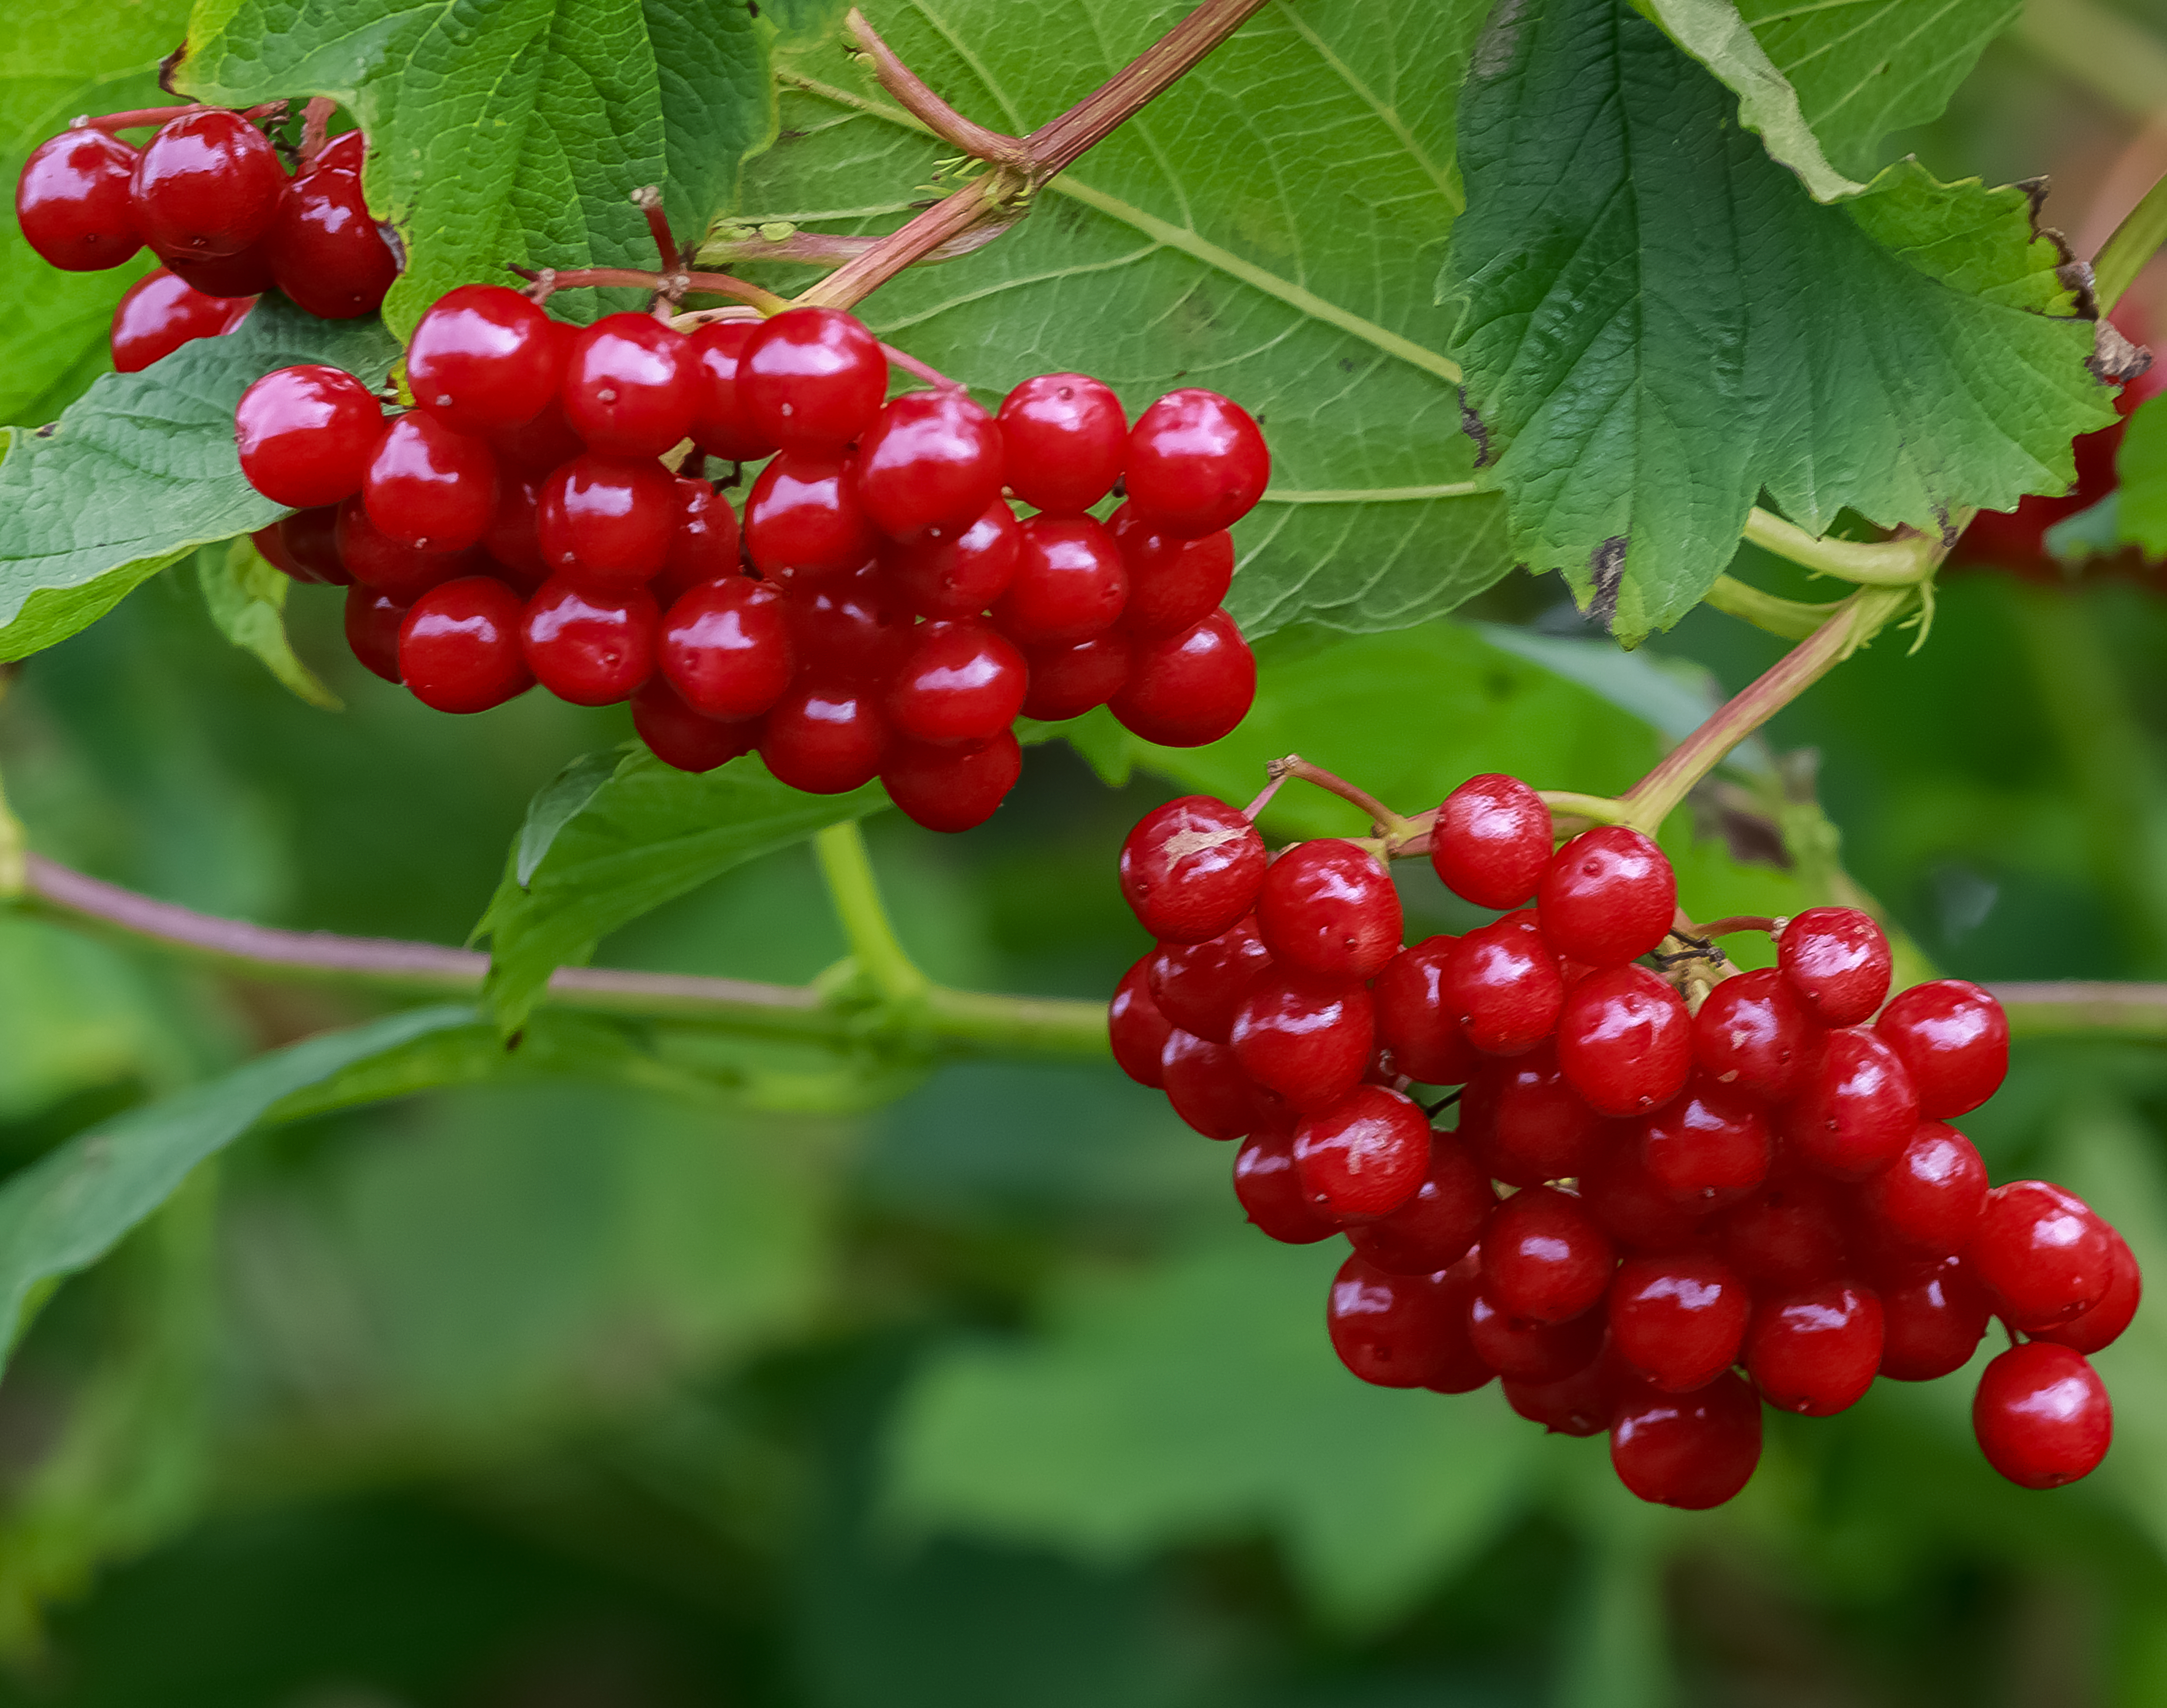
(1526, 1123)
(1491, 841)
(1608, 896)
(959, 681)
(1174, 583)
(433, 488)
(1634, 1210)
(704, 547)
(1708, 1146)
(209, 184)
(1310, 1040)
(458, 648)
(1328, 907)
(2042, 1415)
(1187, 689)
(306, 435)
(852, 624)
(725, 647)
(1065, 435)
(392, 566)
(1787, 1234)
(160, 313)
(1501, 986)
(1207, 1087)
(1754, 1034)
(1678, 1320)
(812, 379)
(721, 426)
(931, 459)
(1582, 1405)
(1067, 681)
(1435, 1228)
(2099, 1326)
(1838, 960)
(1195, 463)
(1415, 1021)
(1069, 584)
(1398, 1331)
(951, 572)
(1137, 1029)
(590, 646)
(2041, 1253)
(1858, 1110)
(630, 385)
(1932, 1316)
(1363, 1156)
(803, 518)
(1814, 1351)
(607, 519)
(74, 202)
(1522, 1350)
(486, 360)
(1625, 1040)
(308, 547)
(324, 251)
(677, 735)
(1953, 1040)
(1198, 986)
(1544, 1257)
(513, 539)
(1693, 1451)
(1270, 1193)
(372, 622)
(826, 739)
(538, 446)
(1191, 868)
(1929, 1201)
(950, 788)
(227, 277)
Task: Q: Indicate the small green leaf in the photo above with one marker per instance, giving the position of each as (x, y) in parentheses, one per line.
(2140, 467)
(563, 798)
(246, 595)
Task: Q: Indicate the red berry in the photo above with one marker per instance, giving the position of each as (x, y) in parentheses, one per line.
(950, 788)
(540, 445)
(1397, 1330)
(1195, 463)
(1067, 682)
(1137, 1028)
(1708, 1147)
(931, 459)
(589, 647)
(1932, 1316)
(392, 566)
(1625, 1040)
(2099, 1326)
(306, 435)
(1838, 960)
(721, 425)
(458, 648)
(609, 520)
(826, 739)
(430, 487)
(1858, 1110)
(372, 622)
(160, 313)
(1693, 1451)
(1527, 1125)
(1634, 1210)
(2041, 1254)
(1678, 1320)
(74, 202)
(1069, 585)
(1191, 688)
(2042, 1415)
(803, 518)
(486, 360)
(513, 539)
(1521, 1350)
(852, 623)
(1174, 584)
(1608, 896)
(1363, 1156)
(247, 274)
(1328, 907)
(1930, 1200)
(1501, 986)
(308, 547)
(1754, 1034)
(1491, 841)
(704, 548)
(1270, 1192)
(1310, 1040)
(1191, 868)
(1207, 1087)
(1953, 1039)
(812, 379)
(1544, 1257)
(1064, 434)
(948, 571)
(209, 185)
(1787, 1234)
(1814, 1351)
(1436, 1227)
(1198, 986)
(630, 385)
(324, 251)
(1415, 1021)
(677, 735)
(960, 681)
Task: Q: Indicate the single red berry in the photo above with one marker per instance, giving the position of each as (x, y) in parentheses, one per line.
(1754, 1034)
(1527, 1125)
(1415, 1019)
(951, 572)
(950, 788)
(721, 425)
(1858, 1110)
(1608, 896)
(227, 276)
(1491, 841)
(802, 519)
(1069, 585)
(1838, 960)
(1310, 1040)
(160, 313)
(1953, 1040)
(1191, 868)
(1582, 1405)
(586, 646)
(1438, 1226)
(372, 622)
(1328, 907)
(540, 445)
(1787, 1234)
(677, 735)
(487, 360)
(513, 539)
(1814, 1351)
(1633, 1209)
(458, 648)
(1207, 1087)
(74, 202)
(812, 379)
(960, 681)
(1625, 1040)
(1501, 986)
(609, 520)
(826, 739)
(306, 435)
(1396, 1330)
(1522, 1350)
(2099, 1326)
(1138, 1030)
(725, 647)
(1186, 689)
(1678, 1320)
(1198, 986)
(433, 488)
(2041, 1253)
(1067, 682)
(1174, 584)
(1544, 1257)
(304, 544)
(704, 547)
(1270, 1192)
(1364, 1156)
(1064, 434)
(209, 184)
(324, 251)
(1930, 1200)
(1693, 1451)
(931, 459)
(630, 385)
(392, 566)
(2042, 1415)
(1195, 463)
(1932, 1317)
(1708, 1147)
(852, 623)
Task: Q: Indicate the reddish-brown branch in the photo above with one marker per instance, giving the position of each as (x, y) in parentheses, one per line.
(916, 98)
(137, 118)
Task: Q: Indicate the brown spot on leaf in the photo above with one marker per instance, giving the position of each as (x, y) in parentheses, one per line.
(1472, 425)
(1606, 568)
(1499, 41)
(2115, 361)
(171, 64)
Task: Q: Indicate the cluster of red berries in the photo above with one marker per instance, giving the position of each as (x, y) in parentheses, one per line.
(881, 612)
(210, 195)
(1762, 1178)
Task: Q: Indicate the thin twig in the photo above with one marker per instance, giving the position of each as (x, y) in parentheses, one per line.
(916, 98)
(315, 126)
(1389, 825)
(137, 118)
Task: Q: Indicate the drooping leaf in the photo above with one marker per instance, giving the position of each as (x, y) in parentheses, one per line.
(512, 133)
(562, 800)
(246, 595)
(141, 471)
(1660, 324)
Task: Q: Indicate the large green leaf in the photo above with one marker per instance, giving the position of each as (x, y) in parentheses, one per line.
(246, 595)
(1270, 227)
(1660, 324)
(510, 132)
(142, 470)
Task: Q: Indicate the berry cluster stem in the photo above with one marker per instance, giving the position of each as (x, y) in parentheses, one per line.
(878, 953)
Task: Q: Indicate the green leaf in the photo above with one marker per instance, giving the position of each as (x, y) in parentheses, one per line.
(2140, 467)
(511, 132)
(1210, 241)
(66, 1210)
(562, 800)
(246, 595)
(1660, 324)
(142, 471)
(649, 834)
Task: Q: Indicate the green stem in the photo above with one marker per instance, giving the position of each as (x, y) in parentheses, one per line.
(1790, 618)
(2084, 1009)
(2135, 241)
(856, 892)
(1902, 562)
(1600, 809)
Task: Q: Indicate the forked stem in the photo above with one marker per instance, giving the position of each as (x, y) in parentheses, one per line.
(917, 97)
